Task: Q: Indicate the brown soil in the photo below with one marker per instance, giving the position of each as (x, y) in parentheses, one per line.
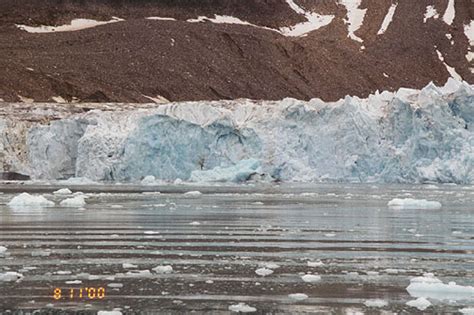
(123, 62)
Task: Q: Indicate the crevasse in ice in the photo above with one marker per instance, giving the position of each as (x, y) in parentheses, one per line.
(408, 136)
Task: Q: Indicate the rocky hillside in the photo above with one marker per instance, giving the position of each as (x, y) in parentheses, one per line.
(153, 51)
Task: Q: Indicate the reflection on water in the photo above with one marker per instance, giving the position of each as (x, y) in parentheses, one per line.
(215, 241)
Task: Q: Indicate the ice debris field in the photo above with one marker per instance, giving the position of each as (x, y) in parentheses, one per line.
(409, 136)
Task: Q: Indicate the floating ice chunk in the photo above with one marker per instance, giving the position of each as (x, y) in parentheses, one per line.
(163, 269)
(151, 232)
(10, 276)
(263, 272)
(420, 303)
(109, 312)
(115, 285)
(429, 286)
(128, 266)
(242, 308)
(63, 191)
(330, 234)
(311, 278)
(63, 272)
(27, 200)
(41, 253)
(270, 265)
(410, 203)
(375, 303)
(78, 201)
(3, 249)
(240, 172)
(195, 223)
(317, 263)
(193, 193)
(139, 273)
(73, 282)
(298, 296)
(150, 180)
(467, 311)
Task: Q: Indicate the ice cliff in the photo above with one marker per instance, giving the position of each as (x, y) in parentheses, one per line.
(407, 136)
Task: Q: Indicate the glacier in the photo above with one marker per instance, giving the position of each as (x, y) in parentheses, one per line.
(407, 136)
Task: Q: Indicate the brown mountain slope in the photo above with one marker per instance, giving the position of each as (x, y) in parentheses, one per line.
(138, 58)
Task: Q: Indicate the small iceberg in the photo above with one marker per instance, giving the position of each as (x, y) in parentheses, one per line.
(376, 303)
(410, 203)
(431, 287)
(63, 191)
(240, 172)
(298, 296)
(163, 269)
(27, 200)
(77, 201)
(263, 272)
(193, 193)
(311, 278)
(10, 276)
(420, 303)
(242, 308)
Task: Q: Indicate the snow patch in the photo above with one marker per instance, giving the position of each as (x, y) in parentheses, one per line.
(450, 13)
(451, 70)
(314, 22)
(355, 17)
(430, 13)
(75, 25)
(410, 203)
(388, 19)
(157, 18)
(27, 200)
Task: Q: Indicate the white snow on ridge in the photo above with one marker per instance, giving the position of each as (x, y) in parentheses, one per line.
(75, 25)
(469, 32)
(388, 19)
(430, 13)
(221, 19)
(450, 13)
(451, 70)
(315, 21)
(355, 17)
(157, 18)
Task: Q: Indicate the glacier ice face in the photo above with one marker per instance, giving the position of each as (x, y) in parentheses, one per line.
(409, 136)
(52, 149)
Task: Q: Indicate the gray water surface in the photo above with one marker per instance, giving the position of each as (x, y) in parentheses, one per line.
(215, 242)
